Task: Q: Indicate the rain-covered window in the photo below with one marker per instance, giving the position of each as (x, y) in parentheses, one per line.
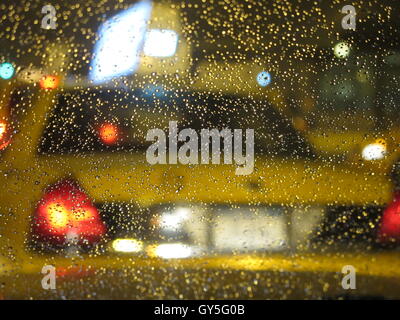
(197, 149)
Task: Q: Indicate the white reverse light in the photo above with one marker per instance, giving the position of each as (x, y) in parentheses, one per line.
(374, 151)
(116, 53)
(127, 245)
(160, 43)
(173, 251)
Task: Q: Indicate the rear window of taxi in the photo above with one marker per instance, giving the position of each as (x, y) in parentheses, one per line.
(109, 120)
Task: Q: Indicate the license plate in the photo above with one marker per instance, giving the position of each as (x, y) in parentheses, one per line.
(242, 230)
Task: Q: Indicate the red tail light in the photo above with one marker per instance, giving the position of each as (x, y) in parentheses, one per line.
(4, 134)
(389, 230)
(108, 133)
(65, 212)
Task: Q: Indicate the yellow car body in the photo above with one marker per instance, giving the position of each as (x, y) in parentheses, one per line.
(111, 177)
(299, 272)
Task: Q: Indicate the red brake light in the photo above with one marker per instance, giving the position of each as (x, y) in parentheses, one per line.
(389, 230)
(4, 135)
(108, 133)
(3, 129)
(66, 212)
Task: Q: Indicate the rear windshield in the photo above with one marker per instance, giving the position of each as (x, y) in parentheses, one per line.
(105, 120)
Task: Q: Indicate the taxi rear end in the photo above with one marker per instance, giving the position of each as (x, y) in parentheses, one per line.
(86, 201)
(80, 198)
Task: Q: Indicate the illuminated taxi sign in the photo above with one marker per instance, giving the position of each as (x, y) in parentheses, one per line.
(160, 43)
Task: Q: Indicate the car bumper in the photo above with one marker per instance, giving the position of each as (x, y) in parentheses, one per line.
(306, 276)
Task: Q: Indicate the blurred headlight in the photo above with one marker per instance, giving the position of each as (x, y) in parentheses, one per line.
(374, 151)
(127, 245)
(172, 251)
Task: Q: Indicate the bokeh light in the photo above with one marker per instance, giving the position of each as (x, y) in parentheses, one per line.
(49, 82)
(6, 70)
(108, 133)
(375, 151)
(3, 129)
(264, 78)
(341, 50)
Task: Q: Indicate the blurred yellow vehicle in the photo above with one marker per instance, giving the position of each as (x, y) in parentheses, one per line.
(79, 195)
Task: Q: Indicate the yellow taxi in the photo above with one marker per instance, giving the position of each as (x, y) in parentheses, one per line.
(79, 194)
